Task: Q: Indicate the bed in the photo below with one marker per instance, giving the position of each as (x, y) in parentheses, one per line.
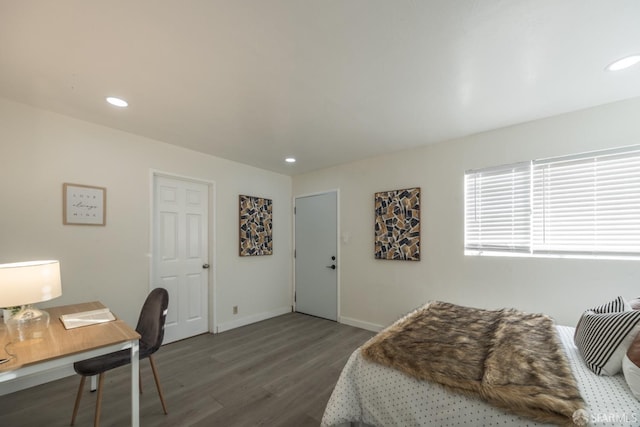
(368, 393)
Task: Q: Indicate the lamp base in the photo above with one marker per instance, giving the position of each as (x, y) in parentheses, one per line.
(28, 323)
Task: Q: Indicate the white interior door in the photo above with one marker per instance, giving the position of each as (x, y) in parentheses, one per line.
(316, 230)
(181, 255)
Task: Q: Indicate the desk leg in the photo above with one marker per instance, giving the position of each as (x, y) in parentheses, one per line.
(135, 386)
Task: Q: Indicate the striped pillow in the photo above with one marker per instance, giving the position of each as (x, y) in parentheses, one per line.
(604, 334)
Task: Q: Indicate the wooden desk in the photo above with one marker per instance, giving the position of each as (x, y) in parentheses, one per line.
(60, 347)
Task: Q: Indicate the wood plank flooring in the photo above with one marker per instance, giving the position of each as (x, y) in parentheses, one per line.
(279, 372)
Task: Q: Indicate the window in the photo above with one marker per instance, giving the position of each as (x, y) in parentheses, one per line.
(497, 208)
(583, 205)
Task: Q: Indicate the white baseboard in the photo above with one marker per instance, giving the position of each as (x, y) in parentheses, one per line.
(361, 324)
(35, 379)
(243, 321)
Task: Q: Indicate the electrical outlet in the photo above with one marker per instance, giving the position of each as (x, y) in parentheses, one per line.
(235, 309)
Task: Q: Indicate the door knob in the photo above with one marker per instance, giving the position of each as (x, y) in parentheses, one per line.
(332, 266)
(205, 266)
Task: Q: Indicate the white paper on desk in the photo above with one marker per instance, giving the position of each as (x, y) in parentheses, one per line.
(86, 318)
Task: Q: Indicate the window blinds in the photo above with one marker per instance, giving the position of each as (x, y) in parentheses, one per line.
(582, 205)
(587, 204)
(497, 208)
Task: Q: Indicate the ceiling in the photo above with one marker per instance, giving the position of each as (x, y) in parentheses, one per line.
(325, 81)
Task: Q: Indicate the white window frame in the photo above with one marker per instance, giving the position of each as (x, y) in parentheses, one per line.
(580, 206)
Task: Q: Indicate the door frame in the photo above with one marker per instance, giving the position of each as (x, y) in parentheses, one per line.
(338, 259)
(212, 321)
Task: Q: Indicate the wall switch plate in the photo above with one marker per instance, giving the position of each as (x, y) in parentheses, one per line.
(235, 309)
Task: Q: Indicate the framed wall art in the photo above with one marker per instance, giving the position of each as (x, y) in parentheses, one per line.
(256, 226)
(397, 224)
(83, 204)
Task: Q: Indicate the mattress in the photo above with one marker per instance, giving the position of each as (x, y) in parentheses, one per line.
(376, 395)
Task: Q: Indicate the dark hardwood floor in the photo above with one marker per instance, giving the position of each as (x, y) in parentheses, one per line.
(279, 372)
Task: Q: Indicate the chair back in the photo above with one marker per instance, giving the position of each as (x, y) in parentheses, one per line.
(152, 318)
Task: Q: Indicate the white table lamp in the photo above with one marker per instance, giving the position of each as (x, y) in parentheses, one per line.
(26, 283)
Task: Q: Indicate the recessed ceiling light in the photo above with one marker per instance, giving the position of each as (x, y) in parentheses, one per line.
(290, 160)
(117, 102)
(623, 63)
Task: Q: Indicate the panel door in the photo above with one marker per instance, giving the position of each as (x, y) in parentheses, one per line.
(181, 255)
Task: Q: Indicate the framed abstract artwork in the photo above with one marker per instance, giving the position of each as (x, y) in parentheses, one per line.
(83, 205)
(256, 226)
(397, 224)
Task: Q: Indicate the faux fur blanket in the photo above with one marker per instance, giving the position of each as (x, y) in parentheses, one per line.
(513, 360)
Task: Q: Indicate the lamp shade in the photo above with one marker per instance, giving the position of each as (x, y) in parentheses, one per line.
(23, 283)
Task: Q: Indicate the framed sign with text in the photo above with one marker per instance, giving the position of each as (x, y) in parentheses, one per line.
(84, 205)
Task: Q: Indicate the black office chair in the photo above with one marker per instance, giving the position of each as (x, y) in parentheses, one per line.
(151, 329)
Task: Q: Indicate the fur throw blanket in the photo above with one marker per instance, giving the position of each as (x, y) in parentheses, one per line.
(510, 359)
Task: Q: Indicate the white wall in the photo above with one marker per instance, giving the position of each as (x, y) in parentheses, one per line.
(376, 292)
(39, 151)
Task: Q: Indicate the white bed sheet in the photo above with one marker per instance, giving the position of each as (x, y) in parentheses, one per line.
(370, 393)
